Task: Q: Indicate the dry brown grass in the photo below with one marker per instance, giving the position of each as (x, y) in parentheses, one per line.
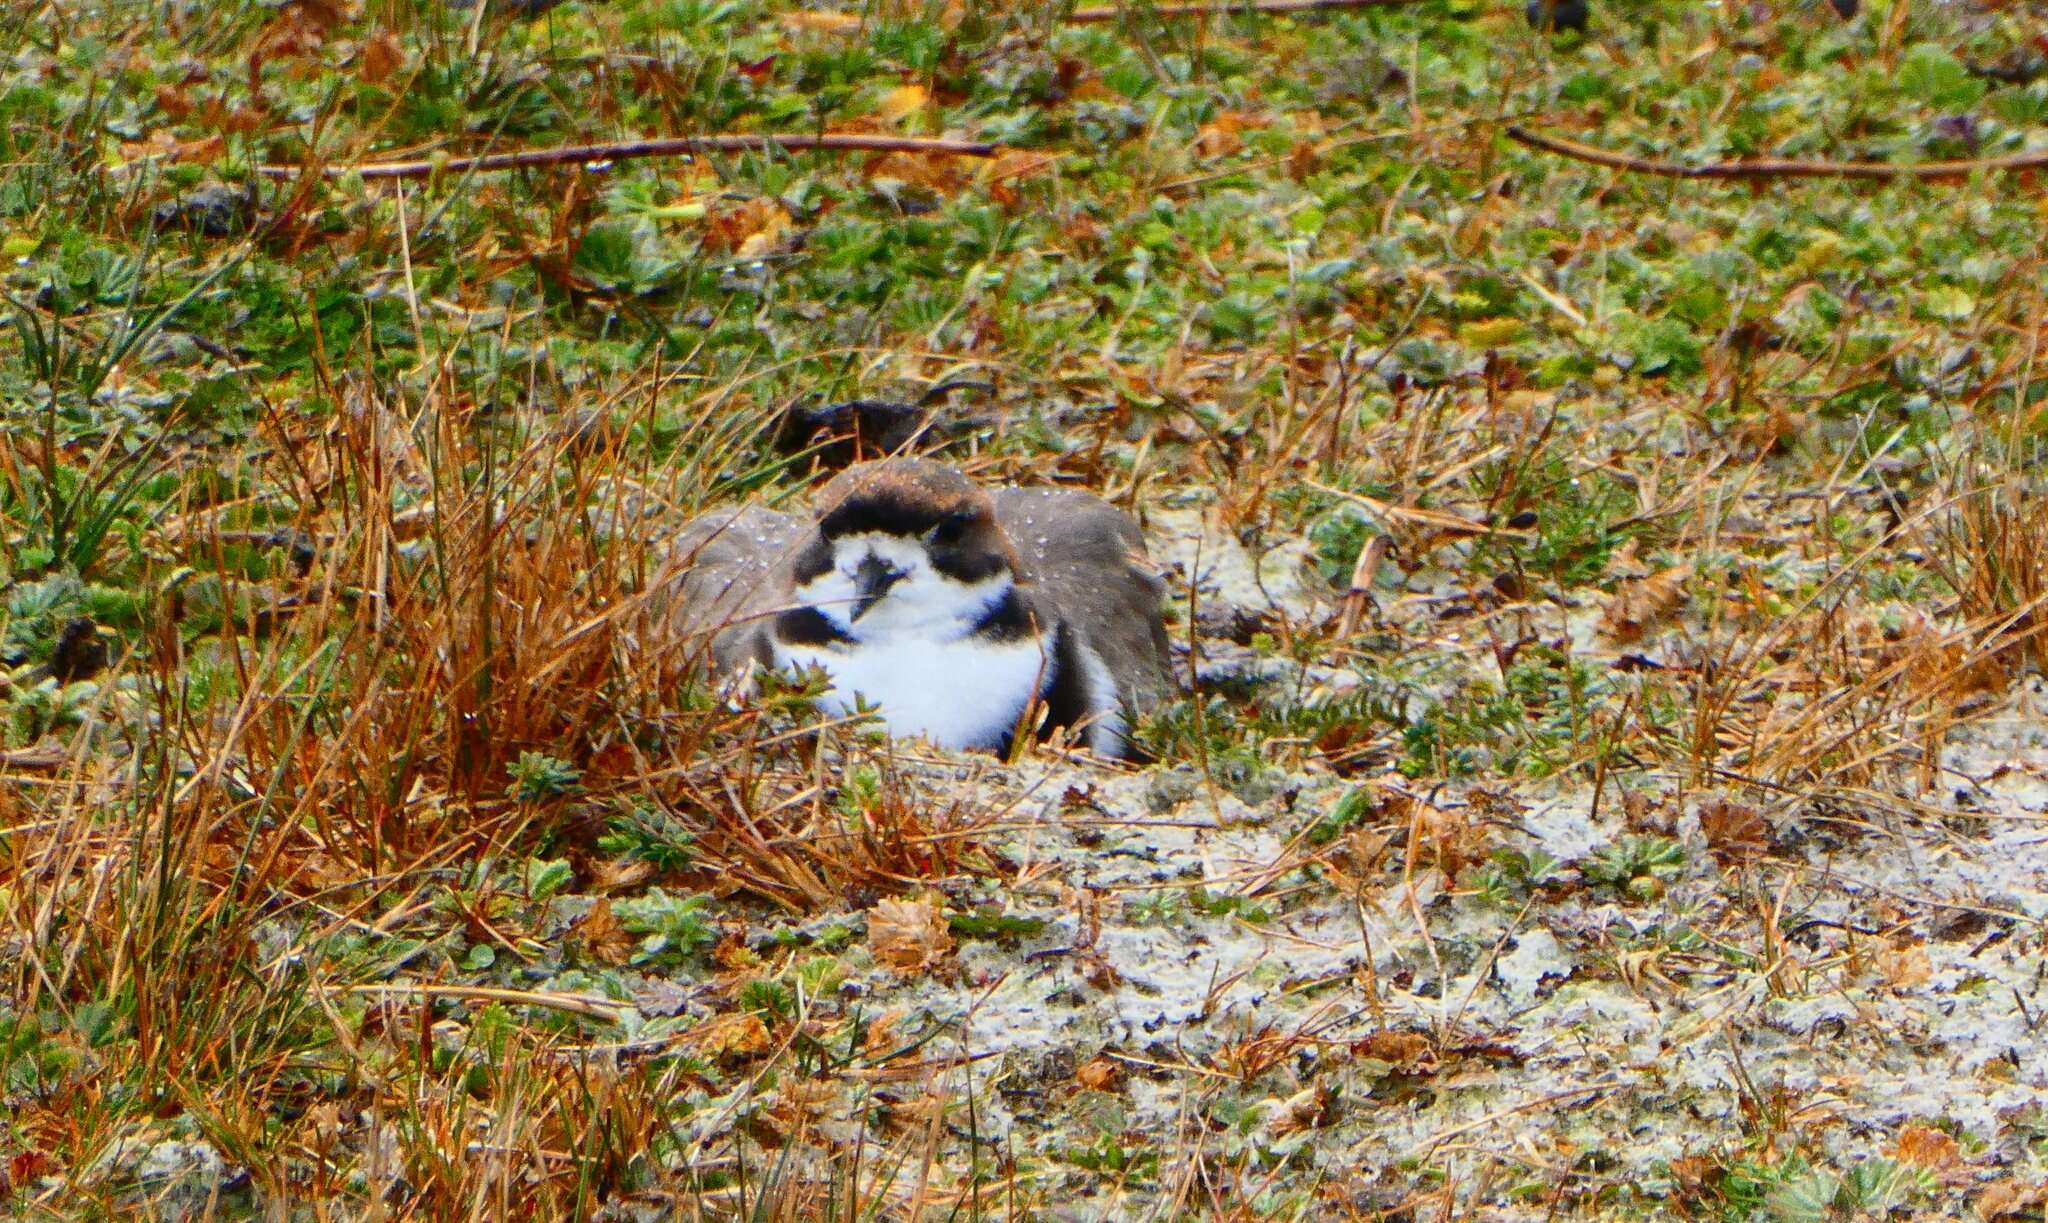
(349, 765)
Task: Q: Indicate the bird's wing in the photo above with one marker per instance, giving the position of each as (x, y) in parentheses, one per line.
(734, 570)
(1087, 561)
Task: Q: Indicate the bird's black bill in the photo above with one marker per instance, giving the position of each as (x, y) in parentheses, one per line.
(871, 581)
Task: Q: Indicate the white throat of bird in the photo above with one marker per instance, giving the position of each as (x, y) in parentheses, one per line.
(910, 645)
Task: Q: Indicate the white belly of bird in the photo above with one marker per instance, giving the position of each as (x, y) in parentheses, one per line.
(965, 693)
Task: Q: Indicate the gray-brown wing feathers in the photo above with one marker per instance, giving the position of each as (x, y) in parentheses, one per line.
(734, 579)
(1087, 561)
(1084, 558)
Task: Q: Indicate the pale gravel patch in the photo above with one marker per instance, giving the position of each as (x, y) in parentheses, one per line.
(1655, 1066)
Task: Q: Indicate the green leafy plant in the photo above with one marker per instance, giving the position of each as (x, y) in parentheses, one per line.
(537, 777)
(1636, 866)
(674, 928)
(71, 511)
(649, 835)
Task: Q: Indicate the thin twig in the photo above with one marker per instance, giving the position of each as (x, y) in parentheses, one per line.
(1555, 1098)
(1117, 12)
(1773, 167)
(1435, 520)
(624, 150)
(575, 1004)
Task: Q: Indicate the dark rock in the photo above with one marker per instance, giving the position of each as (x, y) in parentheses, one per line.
(848, 432)
(1962, 129)
(212, 211)
(589, 432)
(1557, 14)
(80, 652)
(2019, 66)
(301, 547)
(1229, 622)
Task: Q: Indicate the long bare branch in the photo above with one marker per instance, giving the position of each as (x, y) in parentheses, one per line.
(1117, 12)
(623, 150)
(1775, 167)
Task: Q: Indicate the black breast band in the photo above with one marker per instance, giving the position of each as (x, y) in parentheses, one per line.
(807, 626)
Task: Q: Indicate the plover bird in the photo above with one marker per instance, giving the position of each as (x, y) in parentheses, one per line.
(953, 610)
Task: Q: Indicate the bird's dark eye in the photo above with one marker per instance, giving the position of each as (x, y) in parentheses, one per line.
(951, 529)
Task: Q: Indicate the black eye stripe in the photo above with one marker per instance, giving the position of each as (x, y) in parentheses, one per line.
(967, 566)
(813, 562)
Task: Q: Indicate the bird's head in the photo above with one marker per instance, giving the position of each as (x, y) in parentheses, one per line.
(904, 546)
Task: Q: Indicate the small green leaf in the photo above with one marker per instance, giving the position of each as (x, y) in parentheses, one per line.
(544, 878)
(1235, 317)
(1933, 76)
(537, 776)
(1948, 303)
(1665, 346)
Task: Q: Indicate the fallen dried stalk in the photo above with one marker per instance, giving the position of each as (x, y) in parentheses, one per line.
(1452, 524)
(34, 758)
(626, 150)
(1774, 168)
(1117, 12)
(574, 1004)
(1541, 1102)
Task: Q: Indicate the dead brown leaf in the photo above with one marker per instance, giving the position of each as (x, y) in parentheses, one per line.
(615, 874)
(173, 100)
(1100, 1074)
(1398, 1049)
(2009, 1198)
(1638, 604)
(1305, 1109)
(820, 21)
(1224, 135)
(1903, 965)
(1735, 832)
(1927, 1147)
(603, 936)
(885, 1034)
(162, 144)
(740, 1032)
(909, 936)
(382, 56)
(747, 228)
(902, 102)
